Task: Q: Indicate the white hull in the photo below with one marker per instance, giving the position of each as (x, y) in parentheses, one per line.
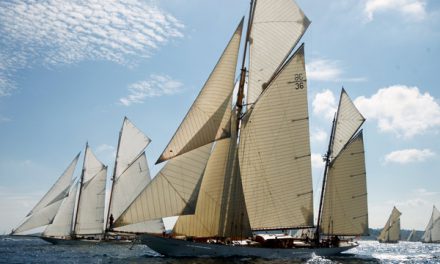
(181, 248)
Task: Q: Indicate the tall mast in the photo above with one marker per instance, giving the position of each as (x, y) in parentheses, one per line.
(81, 182)
(114, 176)
(240, 92)
(327, 164)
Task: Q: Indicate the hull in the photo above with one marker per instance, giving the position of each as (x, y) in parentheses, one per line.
(389, 242)
(181, 248)
(60, 241)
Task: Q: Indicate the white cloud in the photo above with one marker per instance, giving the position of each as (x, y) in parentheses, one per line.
(2, 118)
(157, 85)
(324, 104)
(318, 135)
(411, 9)
(401, 110)
(424, 192)
(409, 155)
(56, 32)
(327, 70)
(317, 161)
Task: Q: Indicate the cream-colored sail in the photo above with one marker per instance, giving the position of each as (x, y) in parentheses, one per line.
(90, 212)
(151, 227)
(172, 192)
(348, 121)
(59, 190)
(391, 230)
(345, 210)
(206, 120)
(432, 231)
(206, 220)
(274, 152)
(39, 218)
(61, 225)
(276, 28)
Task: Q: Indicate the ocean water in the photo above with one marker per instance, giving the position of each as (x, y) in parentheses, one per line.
(35, 250)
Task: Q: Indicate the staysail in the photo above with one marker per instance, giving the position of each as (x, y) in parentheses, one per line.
(45, 210)
(206, 120)
(391, 230)
(61, 225)
(90, 206)
(131, 176)
(274, 153)
(432, 231)
(276, 28)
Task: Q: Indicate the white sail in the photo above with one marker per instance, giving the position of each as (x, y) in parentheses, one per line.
(61, 225)
(432, 231)
(172, 192)
(345, 210)
(90, 212)
(391, 230)
(412, 236)
(348, 121)
(206, 120)
(39, 218)
(59, 190)
(274, 152)
(276, 28)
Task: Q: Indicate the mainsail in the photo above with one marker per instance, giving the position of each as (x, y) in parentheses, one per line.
(61, 225)
(391, 230)
(90, 207)
(344, 209)
(131, 175)
(276, 28)
(274, 153)
(46, 209)
(432, 231)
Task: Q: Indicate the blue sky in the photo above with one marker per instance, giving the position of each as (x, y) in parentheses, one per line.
(69, 73)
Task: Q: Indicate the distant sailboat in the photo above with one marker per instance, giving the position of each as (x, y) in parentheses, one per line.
(432, 231)
(391, 231)
(232, 173)
(46, 209)
(413, 236)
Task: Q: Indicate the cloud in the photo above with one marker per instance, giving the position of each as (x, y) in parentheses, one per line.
(424, 192)
(327, 70)
(2, 118)
(318, 135)
(324, 104)
(411, 9)
(317, 161)
(409, 156)
(401, 110)
(157, 85)
(56, 32)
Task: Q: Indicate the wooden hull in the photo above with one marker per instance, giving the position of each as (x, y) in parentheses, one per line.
(181, 248)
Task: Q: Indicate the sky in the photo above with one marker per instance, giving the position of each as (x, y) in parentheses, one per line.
(71, 71)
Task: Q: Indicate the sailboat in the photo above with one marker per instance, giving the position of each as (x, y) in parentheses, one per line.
(46, 209)
(83, 220)
(130, 176)
(234, 172)
(413, 236)
(391, 231)
(432, 231)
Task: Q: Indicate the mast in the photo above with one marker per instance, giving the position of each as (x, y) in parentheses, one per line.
(81, 182)
(327, 164)
(240, 92)
(114, 177)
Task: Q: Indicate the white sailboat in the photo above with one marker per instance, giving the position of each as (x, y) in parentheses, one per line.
(130, 176)
(46, 209)
(234, 172)
(432, 231)
(391, 231)
(413, 236)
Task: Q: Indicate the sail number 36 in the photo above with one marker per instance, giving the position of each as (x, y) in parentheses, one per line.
(299, 81)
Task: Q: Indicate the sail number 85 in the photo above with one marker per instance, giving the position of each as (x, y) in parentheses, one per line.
(299, 81)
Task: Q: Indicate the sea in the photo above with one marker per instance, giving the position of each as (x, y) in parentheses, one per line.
(35, 250)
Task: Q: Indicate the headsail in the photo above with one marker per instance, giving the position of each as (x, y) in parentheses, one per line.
(274, 152)
(90, 212)
(276, 28)
(62, 223)
(432, 231)
(391, 230)
(172, 192)
(206, 120)
(345, 209)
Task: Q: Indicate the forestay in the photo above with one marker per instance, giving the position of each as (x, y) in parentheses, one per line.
(276, 29)
(274, 153)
